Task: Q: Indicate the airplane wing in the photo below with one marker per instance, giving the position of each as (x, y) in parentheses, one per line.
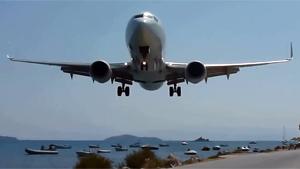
(177, 70)
(119, 70)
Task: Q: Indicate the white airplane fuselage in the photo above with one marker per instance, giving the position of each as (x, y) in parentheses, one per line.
(145, 39)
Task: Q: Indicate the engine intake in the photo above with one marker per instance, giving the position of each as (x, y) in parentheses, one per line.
(100, 71)
(195, 72)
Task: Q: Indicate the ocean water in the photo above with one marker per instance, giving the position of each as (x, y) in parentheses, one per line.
(12, 154)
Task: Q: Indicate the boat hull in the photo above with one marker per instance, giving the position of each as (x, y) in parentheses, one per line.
(40, 152)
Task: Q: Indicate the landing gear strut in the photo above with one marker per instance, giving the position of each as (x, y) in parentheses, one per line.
(122, 89)
(175, 89)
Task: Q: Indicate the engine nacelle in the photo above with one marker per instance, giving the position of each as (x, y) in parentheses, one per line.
(100, 71)
(195, 72)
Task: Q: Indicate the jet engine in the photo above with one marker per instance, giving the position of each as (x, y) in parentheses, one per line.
(100, 71)
(195, 72)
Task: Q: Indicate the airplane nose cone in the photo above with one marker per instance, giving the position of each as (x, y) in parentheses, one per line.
(141, 27)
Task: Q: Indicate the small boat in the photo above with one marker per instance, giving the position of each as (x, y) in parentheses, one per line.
(40, 152)
(135, 145)
(190, 152)
(245, 148)
(184, 143)
(62, 146)
(94, 146)
(103, 151)
(163, 145)
(223, 145)
(116, 145)
(252, 142)
(205, 149)
(149, 147)
(84, 153)
(216, 148)
(121, 149)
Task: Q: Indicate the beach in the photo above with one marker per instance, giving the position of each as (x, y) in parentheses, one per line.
(277, 159)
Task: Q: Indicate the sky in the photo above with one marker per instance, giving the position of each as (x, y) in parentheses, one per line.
(41, 102)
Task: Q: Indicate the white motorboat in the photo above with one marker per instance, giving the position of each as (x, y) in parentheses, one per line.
(149, 147)
(104, 151)
(245, 148)
(184, 143)
(190, 152)
(40, 152)
(216, 148)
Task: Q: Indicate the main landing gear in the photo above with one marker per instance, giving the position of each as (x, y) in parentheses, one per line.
(175, 89)
(124, 89)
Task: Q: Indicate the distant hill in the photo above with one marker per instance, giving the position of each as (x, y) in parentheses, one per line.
(130, 139)
(7, 139)
(202, 139)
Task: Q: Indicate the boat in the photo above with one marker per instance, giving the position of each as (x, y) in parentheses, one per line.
(94, 146)
(184, 143)
(205, 149)
(103, 151)
(61, 146)
(149, 147)
(245, 148)
(216, 148)
(121, 149)
(163, 145)
(84, 153)
(224, 145)
(252, 142)
(40, 152)
(135, 145)
(284, 141)
(190, 152)
(116, 145)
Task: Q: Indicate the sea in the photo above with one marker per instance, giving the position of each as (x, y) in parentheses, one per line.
(12, 154)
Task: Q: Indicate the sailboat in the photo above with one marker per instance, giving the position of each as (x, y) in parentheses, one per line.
(284, 141)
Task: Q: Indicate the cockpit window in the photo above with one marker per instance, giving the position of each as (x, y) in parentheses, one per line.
(139, 16)
(147, 16)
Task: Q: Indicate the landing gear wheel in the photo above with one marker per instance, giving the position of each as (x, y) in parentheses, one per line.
(127, 91)
(119, 91)
(171, 91)
(178, 91)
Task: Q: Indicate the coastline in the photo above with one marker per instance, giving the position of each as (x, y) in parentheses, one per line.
(251, 160)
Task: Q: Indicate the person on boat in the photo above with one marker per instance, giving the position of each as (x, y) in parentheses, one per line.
(42, 147)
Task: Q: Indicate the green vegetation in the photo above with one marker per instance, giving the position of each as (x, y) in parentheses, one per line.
(145, 159)
(93, 161)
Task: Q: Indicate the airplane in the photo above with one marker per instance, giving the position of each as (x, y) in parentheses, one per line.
(145, 40)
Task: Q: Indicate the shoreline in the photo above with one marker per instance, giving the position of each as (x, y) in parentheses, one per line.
(212, 162)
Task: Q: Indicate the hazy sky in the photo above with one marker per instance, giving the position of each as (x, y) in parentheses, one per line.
(41, 102)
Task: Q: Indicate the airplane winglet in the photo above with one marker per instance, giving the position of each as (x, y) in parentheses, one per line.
(291, 52)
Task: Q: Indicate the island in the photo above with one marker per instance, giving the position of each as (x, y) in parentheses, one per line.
(202, 139)
(8, 139)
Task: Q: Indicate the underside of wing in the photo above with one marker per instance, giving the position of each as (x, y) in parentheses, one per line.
(177, 70)
(119, 70)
